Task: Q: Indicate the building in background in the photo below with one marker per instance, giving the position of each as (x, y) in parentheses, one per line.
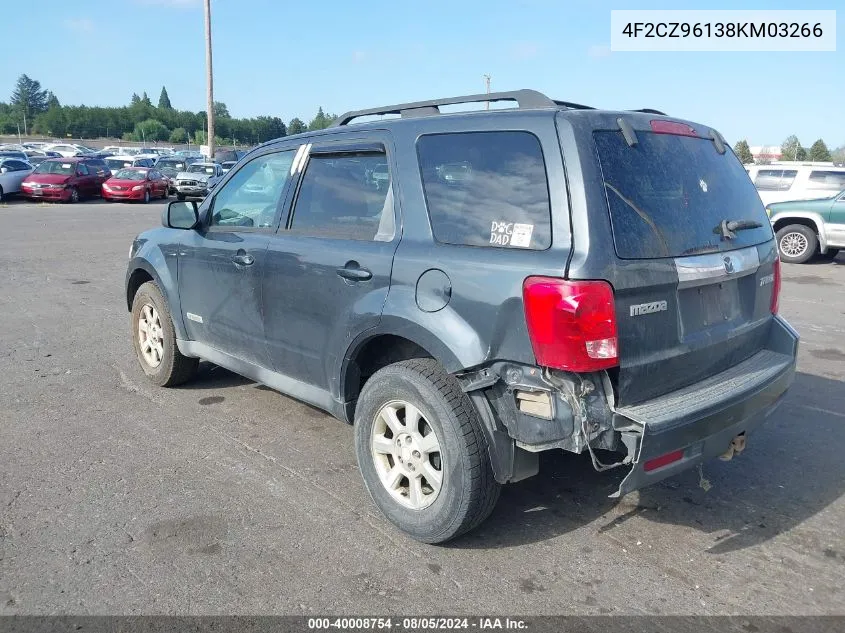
(766, 153)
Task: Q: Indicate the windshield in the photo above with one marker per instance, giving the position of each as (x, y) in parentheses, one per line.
(170, 164)
(668, 195)
(201, 169)
(55, 167)
(118, 164)
(131, 174)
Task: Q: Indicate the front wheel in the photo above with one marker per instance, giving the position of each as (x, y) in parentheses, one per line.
(422, 451)
(74, 195)
(797, 243)
(146, 196)
(154, 339)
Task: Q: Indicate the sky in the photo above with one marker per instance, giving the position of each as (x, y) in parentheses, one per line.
(286, 59)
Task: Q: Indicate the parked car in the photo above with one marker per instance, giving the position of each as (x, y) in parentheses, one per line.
(136, 183)
(65, 180)
(170, 166)
(12, 173)
(807, 228)
(67, 150)
(227, 165)
(584, 280)
(197, 180)
(789, 181)
(121, 162)
(13, 153)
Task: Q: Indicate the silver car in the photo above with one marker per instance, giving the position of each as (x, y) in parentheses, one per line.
(197, 180)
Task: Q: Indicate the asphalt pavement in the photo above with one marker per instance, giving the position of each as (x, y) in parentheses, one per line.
(222, 496)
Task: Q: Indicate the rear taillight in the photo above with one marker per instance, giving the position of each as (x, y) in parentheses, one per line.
(661, 126)
(776, 286)
(572, 324)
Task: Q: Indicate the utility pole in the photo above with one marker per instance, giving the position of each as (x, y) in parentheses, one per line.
(487, 83)
(209, 80)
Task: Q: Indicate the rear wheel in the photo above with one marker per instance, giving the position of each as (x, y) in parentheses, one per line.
(154, 339)
(797, 243)
(422, 451)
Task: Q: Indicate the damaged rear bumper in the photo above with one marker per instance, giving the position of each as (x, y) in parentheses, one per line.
(527, 410)
(698, 423)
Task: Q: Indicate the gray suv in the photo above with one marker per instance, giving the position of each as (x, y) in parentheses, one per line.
(472, 289)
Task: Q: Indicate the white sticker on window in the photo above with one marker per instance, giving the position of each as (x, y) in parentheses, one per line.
(521, 235)
(66, 165)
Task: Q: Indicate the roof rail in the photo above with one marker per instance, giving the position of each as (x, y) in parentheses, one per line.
(651, 111)
(524, 99)
(573, 106)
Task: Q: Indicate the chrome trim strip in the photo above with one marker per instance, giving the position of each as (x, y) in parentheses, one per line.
(699, 270)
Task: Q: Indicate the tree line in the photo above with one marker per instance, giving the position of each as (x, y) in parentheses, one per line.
(35, 110)
(791, 149)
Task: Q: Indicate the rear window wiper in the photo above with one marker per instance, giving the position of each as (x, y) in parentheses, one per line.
(727, 228)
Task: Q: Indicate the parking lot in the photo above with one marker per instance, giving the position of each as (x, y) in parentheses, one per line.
(223, 496)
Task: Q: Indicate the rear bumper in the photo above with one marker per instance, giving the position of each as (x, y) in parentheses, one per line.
(702, 420)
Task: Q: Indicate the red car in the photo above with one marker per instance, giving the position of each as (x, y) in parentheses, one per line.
(136, 183)
(65, 179)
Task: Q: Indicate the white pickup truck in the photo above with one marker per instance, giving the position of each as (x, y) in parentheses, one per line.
(198, 180)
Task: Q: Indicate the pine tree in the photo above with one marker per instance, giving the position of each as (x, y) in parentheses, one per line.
(743, 152)
(164, 100)
(819, 152)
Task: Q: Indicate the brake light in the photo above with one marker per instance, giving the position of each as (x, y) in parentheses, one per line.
(571, 324)
(663, 460)
(661, 126)
(776, 286)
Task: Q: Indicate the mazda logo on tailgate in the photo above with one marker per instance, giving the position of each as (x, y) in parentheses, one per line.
(729, 265)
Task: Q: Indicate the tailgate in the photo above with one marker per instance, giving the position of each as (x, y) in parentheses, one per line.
(694, 257)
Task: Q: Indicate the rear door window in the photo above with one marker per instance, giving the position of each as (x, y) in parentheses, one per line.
(775, 179)
(669, 194)
(486, 189)
(340, 197)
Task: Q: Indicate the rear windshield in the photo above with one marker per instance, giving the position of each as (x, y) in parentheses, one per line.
(669, 194)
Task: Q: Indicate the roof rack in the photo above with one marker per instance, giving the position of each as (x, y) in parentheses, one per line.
(651, 111)
(524, 98)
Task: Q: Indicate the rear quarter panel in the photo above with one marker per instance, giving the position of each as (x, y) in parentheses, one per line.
(484, 319)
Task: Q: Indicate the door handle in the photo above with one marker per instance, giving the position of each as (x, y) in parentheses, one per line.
(243, 259)
(353, 273)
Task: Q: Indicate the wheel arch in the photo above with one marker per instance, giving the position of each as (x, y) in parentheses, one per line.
(811, 220)
(141, 271)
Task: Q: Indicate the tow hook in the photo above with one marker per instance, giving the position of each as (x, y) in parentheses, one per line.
(736, 447)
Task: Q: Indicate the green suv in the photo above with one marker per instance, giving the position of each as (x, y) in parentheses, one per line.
(805, 228)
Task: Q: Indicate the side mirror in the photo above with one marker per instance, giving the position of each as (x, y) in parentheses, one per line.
(181, 215)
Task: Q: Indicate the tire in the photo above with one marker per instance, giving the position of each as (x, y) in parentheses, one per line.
(172, 368)
(165, 194)
(180, 196)
(74, 195)
(146, 196)
(1, 194)
(830, 255)
(467, 490)
(797, 243)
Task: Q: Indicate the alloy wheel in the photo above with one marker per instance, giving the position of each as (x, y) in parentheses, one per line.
(407, 456)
